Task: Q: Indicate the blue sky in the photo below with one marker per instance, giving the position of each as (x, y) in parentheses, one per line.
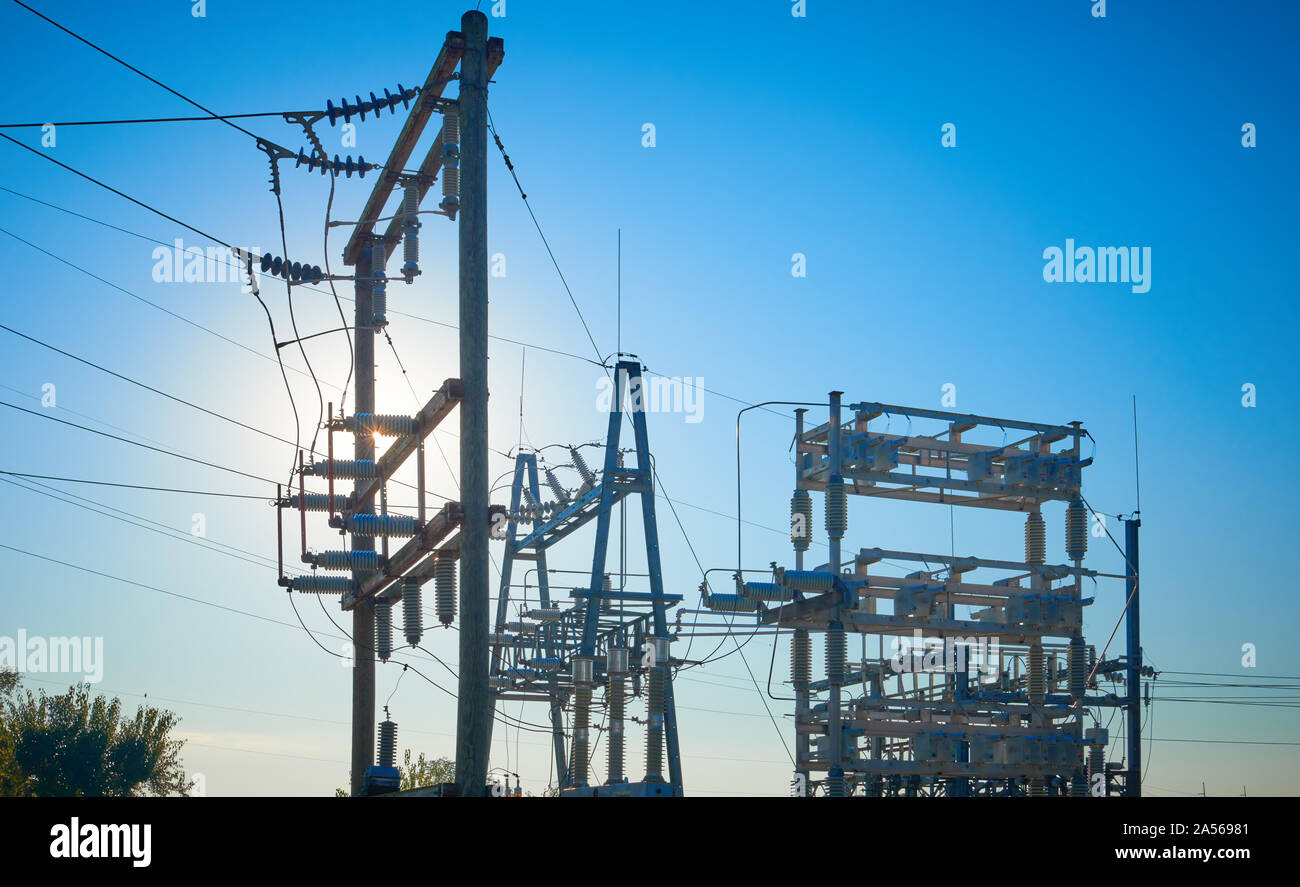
(775, 135)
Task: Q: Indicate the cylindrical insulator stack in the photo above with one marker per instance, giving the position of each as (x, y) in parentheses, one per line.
(837, 647)
(557, 489)
(412, 618)
(807, 580)
(450, 161)
(347, 560)
(382, 424)
(323, 584)
(587, 475)
(1037, 787)
(410, 230)
(382, 525)
(837, 508)
(1035, 539)
(606, 601)
(1077, 659)
(344, 469)
(836, 785)
(800, 657)
(318, 501)
(654, 733)
(801, 510)
(384, 629)
(387, 743)
(379, 284)
(444, 586)
(581, 720)
(616, 672)
(1036, 676)
(1076, 530)
(1078, 786)
(1096, 762)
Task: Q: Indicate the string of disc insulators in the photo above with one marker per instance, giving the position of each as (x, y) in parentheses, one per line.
(376, 105)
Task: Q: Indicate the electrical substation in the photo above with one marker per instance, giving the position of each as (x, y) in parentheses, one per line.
(934, 674)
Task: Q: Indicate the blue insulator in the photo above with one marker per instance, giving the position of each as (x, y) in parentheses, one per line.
(382, 424)
(801, 510)
(836, 785)
(345, 469)
(807, 580)
(387, 743)
(382, 525)
(412, 617)
(837, 508)
(730, 603)
(766, 591)
(323, 584)
(383, 629)
(318, 502)
(347, 560)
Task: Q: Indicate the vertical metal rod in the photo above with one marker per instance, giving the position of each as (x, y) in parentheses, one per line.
(1133, 660)
(363, 615)
(474, 711)
(279, 528)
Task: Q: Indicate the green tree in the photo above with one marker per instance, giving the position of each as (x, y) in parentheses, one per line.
(76, 744)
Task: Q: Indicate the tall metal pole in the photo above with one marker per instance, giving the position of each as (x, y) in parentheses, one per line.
(474, 711)
(1133, 660)
(363, 615)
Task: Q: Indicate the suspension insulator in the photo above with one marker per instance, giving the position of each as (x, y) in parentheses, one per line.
(379, 284)
(560, 493)
(444, 584)
(383, 629)
(412, 617)
(837, 655)
(387, 743)
(410, 231)
(334, 112)
(1076, 530)
(381, 424)
(766, 591)
(801, 511)
(1036, 679)
(837, 508)
(1035, 538)
(729, 603)
(295, 271)
(1077, 663)
(807, 580)
(587, 475)
(323, 584)
(344, 469)
(800, 656)
(382, 525)
(347, 560)
(316, 501)
(450, 161)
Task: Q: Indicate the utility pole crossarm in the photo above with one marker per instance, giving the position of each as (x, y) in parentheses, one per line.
(439, 76)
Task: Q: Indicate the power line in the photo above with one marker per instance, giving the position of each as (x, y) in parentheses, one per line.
(105, 483)
(281, 114)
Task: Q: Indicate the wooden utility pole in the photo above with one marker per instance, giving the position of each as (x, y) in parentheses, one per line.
(474, 712)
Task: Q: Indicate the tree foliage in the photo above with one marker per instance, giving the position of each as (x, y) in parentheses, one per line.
(76, 744)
